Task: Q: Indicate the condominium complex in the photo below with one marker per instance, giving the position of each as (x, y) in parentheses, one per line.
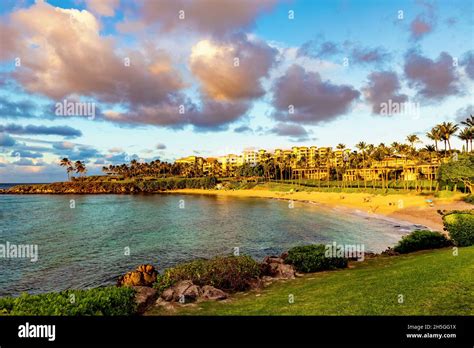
(315, 163)
(296, 157)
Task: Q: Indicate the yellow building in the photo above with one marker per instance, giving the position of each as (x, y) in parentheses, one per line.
(250, 157)
(230, 162)
(191, 160)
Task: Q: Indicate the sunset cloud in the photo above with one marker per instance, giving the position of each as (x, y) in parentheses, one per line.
(40, 130)
(433, 79)
(71, 58)
(232, 71)
(302, 96)
(382, 87)
(216, 17)
(102, 7)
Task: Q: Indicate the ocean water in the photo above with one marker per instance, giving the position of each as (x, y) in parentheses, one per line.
(85, 245)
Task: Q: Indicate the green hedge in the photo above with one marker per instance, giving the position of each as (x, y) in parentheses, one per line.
(421, 240)
(460, 225)
(228, 273)
(107, 301)
(312, 258)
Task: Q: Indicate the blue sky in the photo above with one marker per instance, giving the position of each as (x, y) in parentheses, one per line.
(74, 51)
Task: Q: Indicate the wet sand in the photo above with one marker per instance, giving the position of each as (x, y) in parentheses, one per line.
(409, 207)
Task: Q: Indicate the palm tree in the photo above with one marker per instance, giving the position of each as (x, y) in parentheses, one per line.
(80, 167)
(469, 122)
(362, 147)
(340, 146)
(65, 162)
(435, 135)
(412, 139)
(466, 134)
(447, 129)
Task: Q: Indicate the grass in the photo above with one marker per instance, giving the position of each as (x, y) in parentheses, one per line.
(431, 282)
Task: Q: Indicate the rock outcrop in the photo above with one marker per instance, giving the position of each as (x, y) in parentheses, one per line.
(144, 275)
(144, 297)
(186, 291)
(276, 267)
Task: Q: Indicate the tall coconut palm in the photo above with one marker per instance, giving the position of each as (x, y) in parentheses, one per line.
(466, 134)
(362, 147)
(435, 135)
(65, 162)
(447, 129)
(469, 122)
(80, 167)
(412, 139)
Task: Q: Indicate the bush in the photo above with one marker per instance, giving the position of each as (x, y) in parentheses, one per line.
(100, 301)
(460, 225)
(469, 199)
(228, 273)
(312, 258)
(421, 240)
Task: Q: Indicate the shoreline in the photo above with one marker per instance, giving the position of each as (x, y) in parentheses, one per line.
(407, 207)
(414, 209)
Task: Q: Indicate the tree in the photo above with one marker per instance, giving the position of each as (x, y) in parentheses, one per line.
(466, 134)
(412, 139)
(461, 170)
(65, 162)
(434, 135)
(80, 167)
(469, 122)
(447, 129)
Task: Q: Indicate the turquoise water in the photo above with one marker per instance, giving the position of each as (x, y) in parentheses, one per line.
(85, 246)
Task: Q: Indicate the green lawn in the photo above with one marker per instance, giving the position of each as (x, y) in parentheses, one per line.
(431, 283)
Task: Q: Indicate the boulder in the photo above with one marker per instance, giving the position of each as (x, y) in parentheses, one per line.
(144, 297)
(390, 252)
(276, 268)
(185, 291)
(144, 275)
(212, 293)
(167, 295)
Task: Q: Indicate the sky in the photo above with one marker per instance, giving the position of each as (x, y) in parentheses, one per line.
(107, 81)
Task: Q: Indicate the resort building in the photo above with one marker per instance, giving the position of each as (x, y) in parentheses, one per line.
(211, 166)
(191, 160)
(250, 157)
(230, 162)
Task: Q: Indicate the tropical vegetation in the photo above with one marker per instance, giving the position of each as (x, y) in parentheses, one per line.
(460, 225)
(228, 273)
(422, 240)
(313, 258)
(108, 301)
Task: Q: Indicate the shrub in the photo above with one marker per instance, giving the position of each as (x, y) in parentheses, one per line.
(312, 258)
(421, 240)
(469, 199)
(228, 273)
(100, 301)
(460, 225)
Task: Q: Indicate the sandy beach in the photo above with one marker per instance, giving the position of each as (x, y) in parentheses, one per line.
(411, 208)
